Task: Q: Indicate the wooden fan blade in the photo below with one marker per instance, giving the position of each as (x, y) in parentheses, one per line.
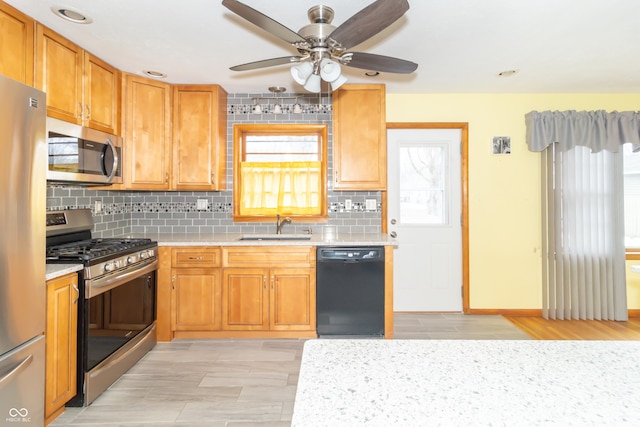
(369, 22)
(384, 64)
(266, 63)
(263, 21)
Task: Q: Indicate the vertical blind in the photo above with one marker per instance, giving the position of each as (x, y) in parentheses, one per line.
(583, 249)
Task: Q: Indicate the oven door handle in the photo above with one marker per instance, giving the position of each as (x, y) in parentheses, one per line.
(95, 287)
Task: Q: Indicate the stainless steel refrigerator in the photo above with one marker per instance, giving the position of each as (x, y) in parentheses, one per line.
(23, 188)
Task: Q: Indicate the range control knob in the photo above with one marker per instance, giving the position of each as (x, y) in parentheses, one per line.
(130, 259)
(110, 266)
(144, 255)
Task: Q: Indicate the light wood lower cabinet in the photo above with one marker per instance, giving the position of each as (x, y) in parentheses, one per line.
(269, 288)
(243, 292)
(61, 343)
(278, 299)
(195, 289)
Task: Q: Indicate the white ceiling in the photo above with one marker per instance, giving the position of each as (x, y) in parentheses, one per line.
(460, 45)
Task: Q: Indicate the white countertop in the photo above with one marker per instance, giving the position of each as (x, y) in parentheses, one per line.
(233, 239)
(468, 383)
(57, 270)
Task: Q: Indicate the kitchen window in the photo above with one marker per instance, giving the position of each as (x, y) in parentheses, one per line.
(280, 170)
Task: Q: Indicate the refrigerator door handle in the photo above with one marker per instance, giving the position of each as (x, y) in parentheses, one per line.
(16, 370)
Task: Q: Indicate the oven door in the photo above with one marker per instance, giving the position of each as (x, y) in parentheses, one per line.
(116, 328)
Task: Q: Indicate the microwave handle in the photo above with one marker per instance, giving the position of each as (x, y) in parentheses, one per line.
(115, 160)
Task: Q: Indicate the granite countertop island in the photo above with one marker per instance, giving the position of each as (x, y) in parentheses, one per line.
(235, 239)
(468, 383)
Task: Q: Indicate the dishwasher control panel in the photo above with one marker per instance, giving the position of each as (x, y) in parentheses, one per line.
(350, 253)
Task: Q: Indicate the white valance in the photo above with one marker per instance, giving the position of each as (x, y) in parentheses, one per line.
(597, 130)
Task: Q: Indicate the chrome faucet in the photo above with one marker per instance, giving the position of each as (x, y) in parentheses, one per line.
(279, 224)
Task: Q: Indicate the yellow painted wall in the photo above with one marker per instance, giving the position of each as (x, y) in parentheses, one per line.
(504, 190)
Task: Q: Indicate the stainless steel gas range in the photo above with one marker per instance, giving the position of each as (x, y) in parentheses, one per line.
(117, 309)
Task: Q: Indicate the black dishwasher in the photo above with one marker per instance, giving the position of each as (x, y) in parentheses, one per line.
(350, 291)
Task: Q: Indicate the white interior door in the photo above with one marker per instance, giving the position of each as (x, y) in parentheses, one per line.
(424, 211)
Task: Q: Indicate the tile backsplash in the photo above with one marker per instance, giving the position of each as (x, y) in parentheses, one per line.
(125, 212)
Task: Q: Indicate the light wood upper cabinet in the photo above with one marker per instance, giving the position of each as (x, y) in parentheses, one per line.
(59, 73)
(199, 138)
(16, 44)
(102, 95)
(147, 133)
(80, 88)
(61, 343)
(359, 138)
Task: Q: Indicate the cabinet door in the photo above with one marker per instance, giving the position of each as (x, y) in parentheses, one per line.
(147, 134)
(245, 299)
(16, 44)
(359, 138)
(196, 296)
(199, 137)
(61, 342)
(59, 74)
(293, 300)
(102, 87)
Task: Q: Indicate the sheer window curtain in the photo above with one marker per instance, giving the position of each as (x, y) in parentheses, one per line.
(583, 253)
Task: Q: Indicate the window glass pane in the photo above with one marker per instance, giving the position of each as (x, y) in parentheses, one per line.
(631, 172)
(281, 144)
(422, 185)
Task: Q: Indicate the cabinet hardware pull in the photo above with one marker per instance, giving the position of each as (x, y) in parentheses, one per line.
(336, 175)
(213, 180)
(75, 301)
(88, 112)
(197, 258)
(166, 177)
(264, 282)
(173, 282)
(79, 110)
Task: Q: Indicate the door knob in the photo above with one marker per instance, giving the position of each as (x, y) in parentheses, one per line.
(393, 234)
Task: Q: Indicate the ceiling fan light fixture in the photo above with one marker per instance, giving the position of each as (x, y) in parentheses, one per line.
(301, 72)
(313, 83)
(338, 82)
(329, 70)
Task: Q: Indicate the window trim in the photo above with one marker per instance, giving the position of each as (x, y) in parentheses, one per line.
(240, 131)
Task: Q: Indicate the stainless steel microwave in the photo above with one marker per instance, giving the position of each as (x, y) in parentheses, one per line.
(81, 155)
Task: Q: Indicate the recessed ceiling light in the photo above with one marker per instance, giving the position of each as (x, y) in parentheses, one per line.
(507, 73)
(372, 73)
(154, 74)
(71, 15)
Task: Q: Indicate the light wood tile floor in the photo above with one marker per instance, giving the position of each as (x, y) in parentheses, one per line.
(239, 383)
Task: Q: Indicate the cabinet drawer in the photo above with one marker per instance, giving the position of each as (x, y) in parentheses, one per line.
(269, 256)
(195, 257)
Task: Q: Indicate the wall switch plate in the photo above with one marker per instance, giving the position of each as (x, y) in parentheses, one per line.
(97, 206)
(371, 204)
(202, 204)
(347, 205)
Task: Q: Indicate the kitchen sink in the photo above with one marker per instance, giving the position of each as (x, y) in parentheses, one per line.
(276, 237)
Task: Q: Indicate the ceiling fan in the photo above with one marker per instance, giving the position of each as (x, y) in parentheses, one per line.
(323, 48)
